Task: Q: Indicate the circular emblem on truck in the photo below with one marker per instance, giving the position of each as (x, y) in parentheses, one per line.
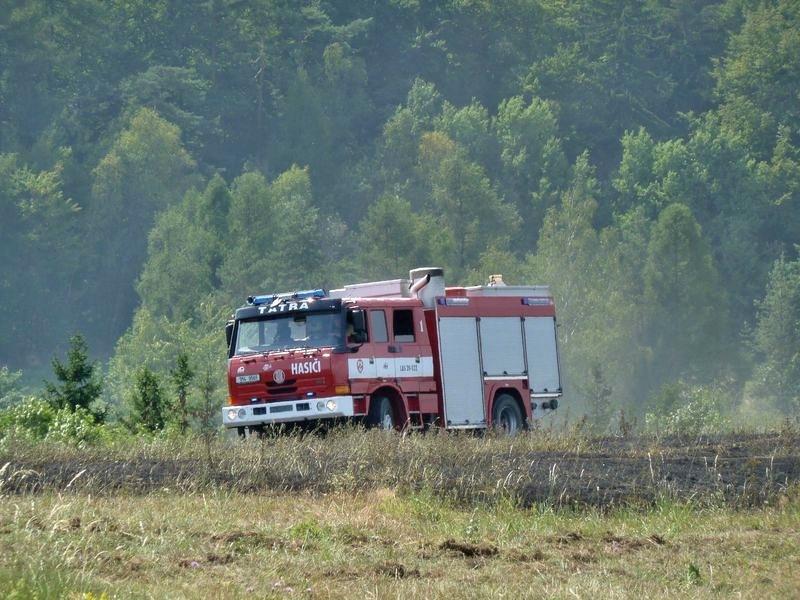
(279, 376)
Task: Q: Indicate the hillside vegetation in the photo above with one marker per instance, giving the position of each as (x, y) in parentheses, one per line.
(162, 160)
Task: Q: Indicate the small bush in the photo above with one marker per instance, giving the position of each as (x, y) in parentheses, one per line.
(74, 426)
(36, 419)
(687, 410)
(30, 418)
(9, 393)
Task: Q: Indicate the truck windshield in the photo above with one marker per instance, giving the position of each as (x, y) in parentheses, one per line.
(312, 330)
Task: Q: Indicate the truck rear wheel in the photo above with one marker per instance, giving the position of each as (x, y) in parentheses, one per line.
(506, 415)
(380, 413)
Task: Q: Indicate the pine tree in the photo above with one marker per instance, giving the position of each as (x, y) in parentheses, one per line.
(182, 375)
(79, 385)
(148, 401)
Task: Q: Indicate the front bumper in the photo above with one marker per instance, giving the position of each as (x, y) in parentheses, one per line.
(287, 411)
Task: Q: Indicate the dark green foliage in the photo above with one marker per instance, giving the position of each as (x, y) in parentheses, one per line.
(149, 406)
(761, 72)
(685, 306)
(146, 171)
(777, 336)
(42, 250)
(623, 64)
(78, 381)
(181, 375)
(183, 256)
(391, 237)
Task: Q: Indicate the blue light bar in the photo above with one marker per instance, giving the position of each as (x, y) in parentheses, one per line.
(256, 300)
(318, 293)
(269, 298)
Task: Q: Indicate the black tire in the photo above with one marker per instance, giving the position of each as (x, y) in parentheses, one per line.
(506, 415)
(381, 414)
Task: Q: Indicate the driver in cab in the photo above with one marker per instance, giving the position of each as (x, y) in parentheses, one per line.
(321, 331)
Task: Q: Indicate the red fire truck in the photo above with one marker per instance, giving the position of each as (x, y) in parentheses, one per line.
(395, 354)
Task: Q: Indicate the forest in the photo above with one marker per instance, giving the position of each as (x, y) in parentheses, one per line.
(161, 160)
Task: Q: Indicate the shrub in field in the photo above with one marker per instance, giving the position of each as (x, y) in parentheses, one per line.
(9, 394)
(74, 426)
(36, 419)
(686, 410)
(68, 411)
(30, 418)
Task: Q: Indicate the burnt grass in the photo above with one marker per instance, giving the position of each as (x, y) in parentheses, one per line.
(732, 470)
(728, 471)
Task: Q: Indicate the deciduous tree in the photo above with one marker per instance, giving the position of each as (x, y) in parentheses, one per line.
(145, 171)
(686, 308)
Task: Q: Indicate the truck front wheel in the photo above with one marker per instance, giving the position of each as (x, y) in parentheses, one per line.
(506, 415)
(380, 413)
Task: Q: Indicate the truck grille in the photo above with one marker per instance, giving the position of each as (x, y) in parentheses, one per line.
(297, 407)
(288, 387)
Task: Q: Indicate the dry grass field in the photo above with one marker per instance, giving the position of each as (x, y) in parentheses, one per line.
(356, 514)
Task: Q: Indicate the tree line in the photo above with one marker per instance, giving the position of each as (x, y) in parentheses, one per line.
(159, 162)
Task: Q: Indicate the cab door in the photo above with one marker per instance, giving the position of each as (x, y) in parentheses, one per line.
(410, 351)
(372, 362)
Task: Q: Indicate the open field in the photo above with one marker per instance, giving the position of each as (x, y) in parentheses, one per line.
(367, 514)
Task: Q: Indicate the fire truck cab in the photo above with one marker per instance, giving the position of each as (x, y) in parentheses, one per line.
(395, 354)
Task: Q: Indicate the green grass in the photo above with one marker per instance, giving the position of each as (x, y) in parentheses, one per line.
(373, 515)
(380, 544)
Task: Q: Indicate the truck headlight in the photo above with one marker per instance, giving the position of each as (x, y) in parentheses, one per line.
(233, 414)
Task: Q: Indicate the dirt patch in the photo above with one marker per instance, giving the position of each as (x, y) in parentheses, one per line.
(468, 549)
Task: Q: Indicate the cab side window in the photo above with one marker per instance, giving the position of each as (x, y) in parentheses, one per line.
(377, 321)
(403, 325)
